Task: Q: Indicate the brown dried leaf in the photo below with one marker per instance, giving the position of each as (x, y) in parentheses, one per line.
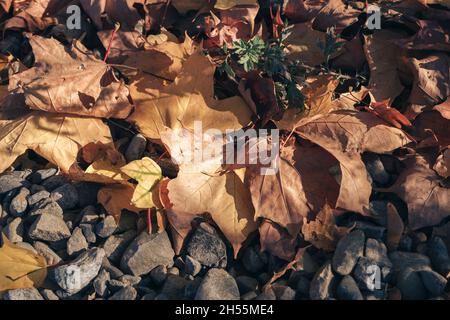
(71, 82)
(395, 227)
(323, 232)
(419, 186)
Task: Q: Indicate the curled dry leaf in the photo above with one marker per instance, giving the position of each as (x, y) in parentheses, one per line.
(335, 14)
(115, 198)
(56, 138)
(31, 18)
(147, 173)
(420, 187)
(395, 227)
(390, 115)
(444, 109)
(189, 99)
(323, 232)
(276, 241)
(20, 268)
(228, 4)
(346, 134)
(71, 81)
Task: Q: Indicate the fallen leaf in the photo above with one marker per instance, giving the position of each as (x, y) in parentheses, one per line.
(382, 55)
(276, 241)
(228, 4)
(72, 82)
(395, 227)
(56, 138)
(224, 196)
(346, 134)
(115, 198)
(323, 232)
(335, 14)
(444, 109)
(303, 45)
(419, 186)
(184, 6)
(147, 173)
(20, 268)
(189, 99)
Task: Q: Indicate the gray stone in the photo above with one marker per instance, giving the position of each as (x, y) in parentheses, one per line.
(438, 253)
(403, 260)
(23, 294)
(115, 272)
(207, 248)
(192, 287)
(376, 169)
(147, 252)
(54, 182)
(87, 193)
(40, 175)
(46, 206)
(35, 188)
(129, 280)
(321, 287)
(76, 275)
(192, 266)
(127, 293)
(149, 296)
(218, 285)
(434, 282)
(348, 290)
(49, 295)
(410, 284)
(303, 286)
(45, 251)
(371, 230)
(76, 243)
(283, 292)
(159, 275)
(66, 196)
(9, 182)
(100, 283)
(88, 232)
(174, 271)
(369, 275)
(174, 287)
(252, 261)
(247, 284)
(89, 215)
(377, 251)
(267, 294)
(19, 204)
(378, 210)
(115, 285)
(348, 250)
(48, 227)
(106, 228)
(116, 245)
(14, 230)
(136, 148)
(252, 295)
(36, 197)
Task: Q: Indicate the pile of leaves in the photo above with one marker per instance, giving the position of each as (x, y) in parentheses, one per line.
(338, 91)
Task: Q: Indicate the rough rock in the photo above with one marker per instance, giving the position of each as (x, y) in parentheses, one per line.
(136, 148)
(76, 243)
(39, 176)
(127, 293)
(66, 196)
(191, 266)
(45, 251)
(75, 276)
(106, 228)
(218, 285)
(46, 206)
(100, 283)
(116, 245)
(434, 282)
(36, 197)
(207, 248)
(48, 227)
(348, 290)
(322, 284)
(348, 250)
(174, 287)
(88, 232)
(19, 204)
(159, 275)
(23, 294)
(438, 253)
(14, 230)
(9, 182)
(147, 252)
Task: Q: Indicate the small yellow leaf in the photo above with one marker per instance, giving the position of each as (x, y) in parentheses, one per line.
(147, 173)
(20, 268)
